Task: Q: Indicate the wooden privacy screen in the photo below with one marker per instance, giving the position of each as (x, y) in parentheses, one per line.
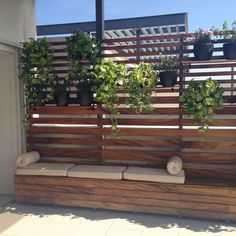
(81, 134)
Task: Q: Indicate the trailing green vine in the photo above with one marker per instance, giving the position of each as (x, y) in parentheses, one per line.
(201, 99)
(108, 77)
(139, 87)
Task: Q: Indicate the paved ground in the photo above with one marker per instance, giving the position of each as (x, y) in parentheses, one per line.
(31, 220)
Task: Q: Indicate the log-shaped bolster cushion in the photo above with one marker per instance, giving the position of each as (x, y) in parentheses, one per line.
(27, 158)
(174, 165)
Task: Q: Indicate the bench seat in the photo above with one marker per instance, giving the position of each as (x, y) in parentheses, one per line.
(97, 172)
(47, 169)
(196, 199)
(153, 175)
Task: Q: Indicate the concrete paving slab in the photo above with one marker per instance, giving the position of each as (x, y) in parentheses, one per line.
(35, 220)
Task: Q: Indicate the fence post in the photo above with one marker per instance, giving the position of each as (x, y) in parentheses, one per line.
(181, 87)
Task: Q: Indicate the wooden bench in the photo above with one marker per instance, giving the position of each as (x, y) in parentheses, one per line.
(195, 199)
(82, 138)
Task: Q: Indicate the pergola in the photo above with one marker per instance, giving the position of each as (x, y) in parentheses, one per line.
(129, 27)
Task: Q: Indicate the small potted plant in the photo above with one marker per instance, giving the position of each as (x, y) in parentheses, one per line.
(61, 89)
(229, 48)
(203, 47)
(83, 53)
(167, 68)
(139, 87)
(201, 99)
(108, 77)
(85, 84)
(37, 73)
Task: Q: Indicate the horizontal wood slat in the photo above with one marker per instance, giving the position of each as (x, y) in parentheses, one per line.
(106, 142)
(187, 200)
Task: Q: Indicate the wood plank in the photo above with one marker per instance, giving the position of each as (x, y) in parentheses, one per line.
(73, 110)
(106, 142)
(129, 207)
(72, 160)
(128, 200)
(159, 157)
(127, 193)
(76, 110)
(76, 121)
(156, 100)
(218, 73)
(217, 172)
(216, 122)
(165, 132)
(69, 152)
(208, 66)
(220, 145)
(208, 158)
(207, 188)
(104, 121)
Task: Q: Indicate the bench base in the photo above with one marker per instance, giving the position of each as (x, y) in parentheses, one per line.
(191, 199)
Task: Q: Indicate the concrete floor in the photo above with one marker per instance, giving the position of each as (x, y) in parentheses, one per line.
(32, 220)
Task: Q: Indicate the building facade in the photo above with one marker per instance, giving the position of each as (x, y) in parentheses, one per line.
(17, 24)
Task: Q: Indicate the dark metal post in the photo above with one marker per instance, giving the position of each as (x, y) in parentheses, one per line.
(138, 50)
(100, 19)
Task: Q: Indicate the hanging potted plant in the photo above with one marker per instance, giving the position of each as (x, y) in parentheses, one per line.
(229, 48)
(37, 72)
(139, 87)
(83, 53)
(203, 47)
(167, 68)
(108, 77)
(61, 89)
(201, 99)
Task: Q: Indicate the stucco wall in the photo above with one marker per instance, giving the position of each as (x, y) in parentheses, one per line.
(17, 24)
(10, 138)
(17, 20)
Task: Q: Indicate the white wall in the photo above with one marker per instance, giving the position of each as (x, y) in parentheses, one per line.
(10, 136)
(17, 24)
(17, 21)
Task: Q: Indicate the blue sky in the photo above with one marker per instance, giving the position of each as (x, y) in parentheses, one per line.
(202, 13)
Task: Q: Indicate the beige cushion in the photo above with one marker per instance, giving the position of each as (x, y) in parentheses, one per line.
(50, 169)
(27, 158)
(174, 165)
(97, 172)
(153, 175)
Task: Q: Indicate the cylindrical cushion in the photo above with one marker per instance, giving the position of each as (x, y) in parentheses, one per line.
(174, 165)
(27, 158)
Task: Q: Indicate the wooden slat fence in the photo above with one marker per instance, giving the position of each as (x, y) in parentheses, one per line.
(81, 134)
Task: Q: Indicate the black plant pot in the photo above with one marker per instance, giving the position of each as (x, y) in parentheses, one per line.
(203, 50)
(40, 99)
(168, 78)
(229, 50)
(40, 95)
(61, 98)
(85, 98)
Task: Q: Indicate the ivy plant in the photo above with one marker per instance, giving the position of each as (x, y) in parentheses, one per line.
(37, 72)
(108, 76)
(139, 87)
(83, 53)
(201, 99)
